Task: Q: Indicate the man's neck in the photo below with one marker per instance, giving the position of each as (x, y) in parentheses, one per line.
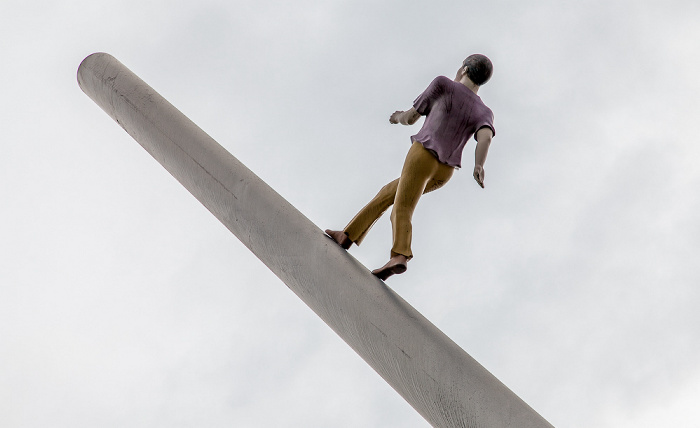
(469, 84)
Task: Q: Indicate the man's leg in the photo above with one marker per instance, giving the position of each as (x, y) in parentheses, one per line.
(358, 227)
(422, 173)
(364, 220)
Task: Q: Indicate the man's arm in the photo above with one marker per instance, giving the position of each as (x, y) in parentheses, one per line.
(405, 117)
(483, 141)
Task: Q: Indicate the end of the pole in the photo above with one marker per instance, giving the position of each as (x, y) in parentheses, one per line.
(89, 66)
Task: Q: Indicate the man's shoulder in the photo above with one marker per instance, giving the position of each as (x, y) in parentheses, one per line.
(442, 81)
(486, 111)
(446, 82)
(484, 108)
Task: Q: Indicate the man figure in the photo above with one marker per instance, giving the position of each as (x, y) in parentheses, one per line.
(454, 112)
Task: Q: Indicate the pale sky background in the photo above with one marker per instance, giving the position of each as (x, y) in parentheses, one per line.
(572, 277)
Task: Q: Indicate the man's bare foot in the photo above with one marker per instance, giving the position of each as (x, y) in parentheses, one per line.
(396, 265)
(340, 238)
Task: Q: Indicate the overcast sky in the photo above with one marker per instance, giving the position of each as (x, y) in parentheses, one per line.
(572, 276)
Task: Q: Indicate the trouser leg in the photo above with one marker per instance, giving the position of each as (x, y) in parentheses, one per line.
(422, 173)
(364, 220)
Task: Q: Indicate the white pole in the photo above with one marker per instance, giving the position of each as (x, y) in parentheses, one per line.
(441, 381)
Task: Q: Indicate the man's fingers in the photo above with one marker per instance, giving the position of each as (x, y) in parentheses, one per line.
(479, 177)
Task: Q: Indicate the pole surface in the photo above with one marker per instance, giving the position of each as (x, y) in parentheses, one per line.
(439, 379)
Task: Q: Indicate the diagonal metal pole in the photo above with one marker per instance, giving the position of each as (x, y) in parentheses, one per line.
(439, 379)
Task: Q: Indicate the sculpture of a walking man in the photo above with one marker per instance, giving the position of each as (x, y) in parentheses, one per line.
(454, 113)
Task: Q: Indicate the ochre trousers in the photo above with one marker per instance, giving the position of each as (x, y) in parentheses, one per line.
(422, 173)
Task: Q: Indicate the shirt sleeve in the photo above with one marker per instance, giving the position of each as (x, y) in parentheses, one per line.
(424, 102)
(486, 121)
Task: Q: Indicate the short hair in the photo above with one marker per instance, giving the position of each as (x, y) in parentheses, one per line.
(479, 68)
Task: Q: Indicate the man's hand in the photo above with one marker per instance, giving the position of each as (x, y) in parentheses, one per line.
(405, 117)
(479, 175)
(395, 117)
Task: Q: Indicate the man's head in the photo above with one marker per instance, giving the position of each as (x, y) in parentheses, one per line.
(478, 68)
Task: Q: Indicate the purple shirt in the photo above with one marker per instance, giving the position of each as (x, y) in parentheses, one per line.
(453, 114)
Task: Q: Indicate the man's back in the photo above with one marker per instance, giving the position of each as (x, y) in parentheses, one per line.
(454, 113)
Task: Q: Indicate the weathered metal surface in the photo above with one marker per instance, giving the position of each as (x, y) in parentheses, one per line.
(441, 381)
